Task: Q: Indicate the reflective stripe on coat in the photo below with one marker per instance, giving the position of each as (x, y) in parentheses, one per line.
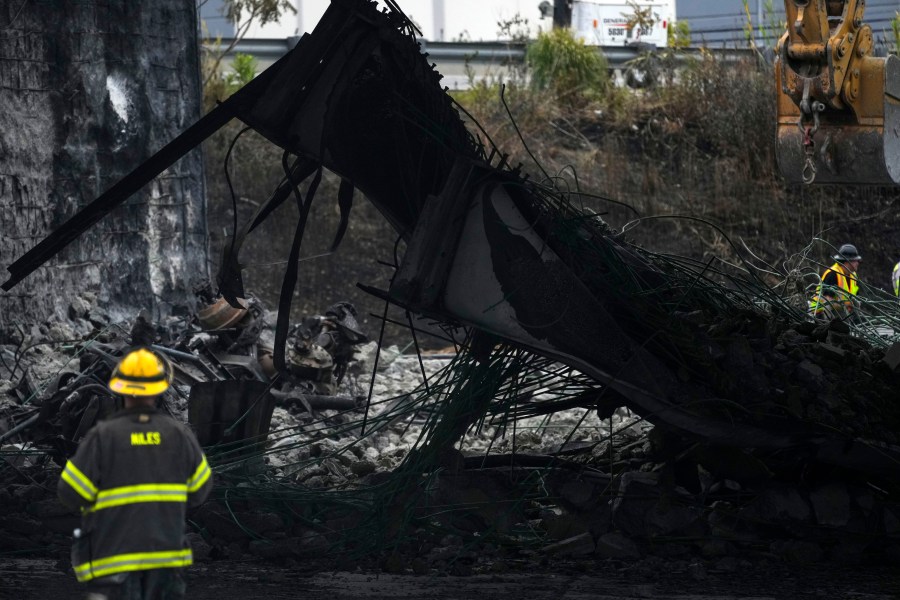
(133, 478)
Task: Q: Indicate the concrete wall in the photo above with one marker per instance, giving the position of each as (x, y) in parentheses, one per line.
(89, 91)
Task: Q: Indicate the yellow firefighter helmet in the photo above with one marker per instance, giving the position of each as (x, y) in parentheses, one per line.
(141, 372)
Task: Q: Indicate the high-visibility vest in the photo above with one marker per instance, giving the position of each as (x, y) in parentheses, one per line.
(895, 279)
(847, 286)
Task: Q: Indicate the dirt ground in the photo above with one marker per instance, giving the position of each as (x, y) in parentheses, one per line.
(26, 579)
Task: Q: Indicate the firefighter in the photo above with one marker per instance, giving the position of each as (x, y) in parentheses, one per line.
(133, 478)
(838, 285)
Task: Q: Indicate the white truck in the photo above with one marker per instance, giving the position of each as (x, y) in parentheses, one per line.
(622, 23)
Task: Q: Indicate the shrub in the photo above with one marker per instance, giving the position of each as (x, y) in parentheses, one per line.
(679, 34)
(245, 66)
(895, 28)
(730, 110)
(219, 86)
(566, 66)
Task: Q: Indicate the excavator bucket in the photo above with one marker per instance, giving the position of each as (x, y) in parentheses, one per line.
(843, 150)
(838, 106)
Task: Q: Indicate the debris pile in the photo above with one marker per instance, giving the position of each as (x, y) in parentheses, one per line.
(694, 410)
(543, 475)
(55, 383)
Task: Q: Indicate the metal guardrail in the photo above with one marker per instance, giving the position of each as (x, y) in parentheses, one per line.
(500, 52)
(475, 53)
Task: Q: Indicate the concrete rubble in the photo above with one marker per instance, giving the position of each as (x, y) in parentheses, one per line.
(772, 438)
(569, 491)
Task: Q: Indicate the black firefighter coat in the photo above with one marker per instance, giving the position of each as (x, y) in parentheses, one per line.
(133, 477)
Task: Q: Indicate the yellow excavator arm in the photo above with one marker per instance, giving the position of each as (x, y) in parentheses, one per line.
(838, 105)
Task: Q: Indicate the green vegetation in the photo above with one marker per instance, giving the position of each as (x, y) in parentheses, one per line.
(895, 28)
(642, 18)
(245, 67)
(679, 34)
(700, 143)
(242, 14)
(219, 86)
(564, 65)
(768, 30)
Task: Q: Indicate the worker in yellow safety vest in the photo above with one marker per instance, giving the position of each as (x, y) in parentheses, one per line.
(895, 279)
(133, 477)
(838, 285)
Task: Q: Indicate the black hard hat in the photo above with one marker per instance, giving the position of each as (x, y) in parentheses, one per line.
(847, 252)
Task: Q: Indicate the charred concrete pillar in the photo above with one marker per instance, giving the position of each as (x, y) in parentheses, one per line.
(88, 91)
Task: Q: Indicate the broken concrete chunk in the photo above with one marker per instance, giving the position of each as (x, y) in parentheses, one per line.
(272, 548)
(891, 522)
(672, 520)
(14, 543)
(476, 491)
(27, 493)
(797, 551)
(735, 464)
(849, 551)
(740, 354)
(579, 545)
(716, 548)
(637, 494)
(831, 504)
(892, 356)
(48, 508)
(865, 501)
(580, 494)
(79, 308)
(564, 526)
(780, 505)
(19, 523)
(362, 468)
(727, 564)
(697, 571)
(200, 549)
(616, 545)
(831, 351)
(262, 522)
(809, 373)
(219, 523)
(790, 338)
(311, 544)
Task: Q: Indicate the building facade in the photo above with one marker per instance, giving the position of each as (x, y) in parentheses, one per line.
(714, 23)
(726, 22)
(439, 20)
